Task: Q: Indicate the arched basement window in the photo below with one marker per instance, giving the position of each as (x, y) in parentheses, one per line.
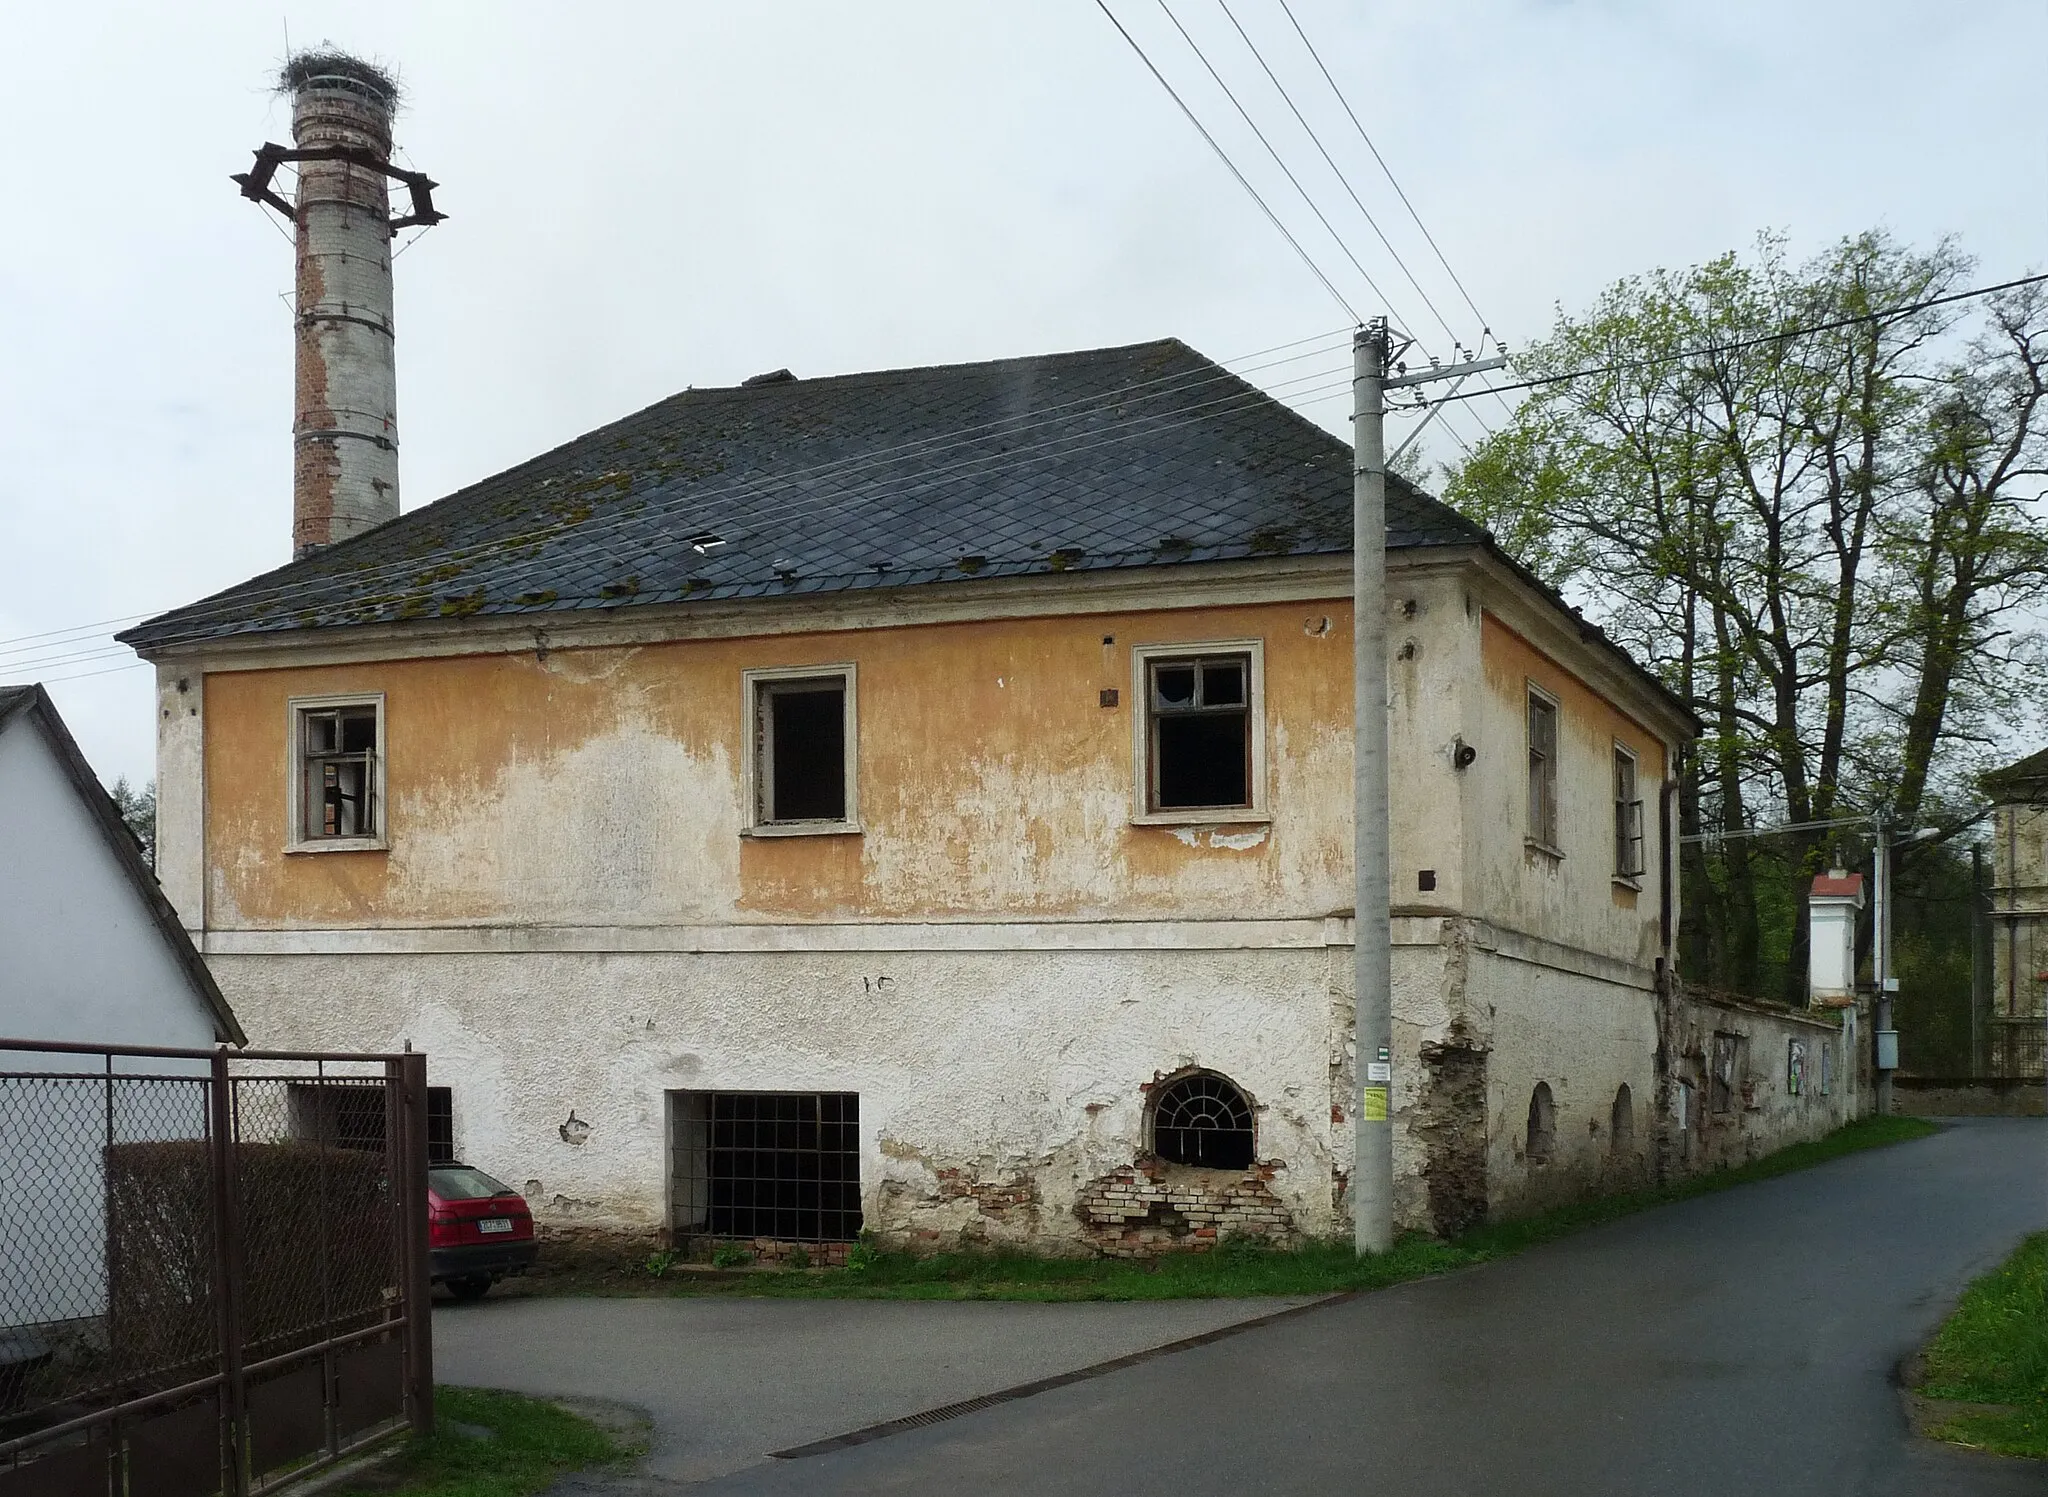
(1202, 1119)
(1542, 1123)
(1621, 1127)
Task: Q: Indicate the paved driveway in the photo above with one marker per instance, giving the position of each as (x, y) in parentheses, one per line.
(729, 1380)
(1740, 1343)
(1743, 1342)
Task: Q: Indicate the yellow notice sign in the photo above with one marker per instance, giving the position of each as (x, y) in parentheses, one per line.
(1375, 1104)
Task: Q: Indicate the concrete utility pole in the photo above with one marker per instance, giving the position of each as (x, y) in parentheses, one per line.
(1372, 1172)
(1372, 1169)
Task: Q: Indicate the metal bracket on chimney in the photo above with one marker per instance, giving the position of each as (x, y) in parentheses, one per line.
(255, 184)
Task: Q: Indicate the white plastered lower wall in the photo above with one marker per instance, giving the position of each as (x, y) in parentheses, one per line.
(1006, 1065)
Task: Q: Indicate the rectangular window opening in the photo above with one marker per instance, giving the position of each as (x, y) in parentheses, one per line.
(1200, 741)
(338, 772)
(1629, 859)
(778, 1165)
(802, 764)
(1542, 770)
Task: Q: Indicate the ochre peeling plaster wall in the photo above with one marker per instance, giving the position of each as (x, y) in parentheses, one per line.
(1573, 900)
(602, 786)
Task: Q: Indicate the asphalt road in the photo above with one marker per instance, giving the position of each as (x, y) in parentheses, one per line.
(1744, 1342)
(729, 1380)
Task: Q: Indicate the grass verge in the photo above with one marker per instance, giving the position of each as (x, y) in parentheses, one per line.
(491, 1444)
(1230, 1271)
(1993, 1353)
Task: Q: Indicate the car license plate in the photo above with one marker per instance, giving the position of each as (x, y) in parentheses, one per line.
(494, 1224)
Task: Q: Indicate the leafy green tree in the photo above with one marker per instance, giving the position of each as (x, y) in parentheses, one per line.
(1811, 503)
(138, 810)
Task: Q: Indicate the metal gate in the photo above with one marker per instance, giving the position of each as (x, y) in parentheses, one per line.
(213, 1266)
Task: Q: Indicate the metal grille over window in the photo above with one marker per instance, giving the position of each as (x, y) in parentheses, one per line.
(1201, 733)
(1202, 1119)
(777, 1165)
(1628, 818)
(440, 1125)
(340, 758)
(1542, 770)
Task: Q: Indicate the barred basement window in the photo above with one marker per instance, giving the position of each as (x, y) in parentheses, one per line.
(801, 772)
(440, 1125)
(1202, 1119)
(338, 769)
(779, 1165)
(339, 1112)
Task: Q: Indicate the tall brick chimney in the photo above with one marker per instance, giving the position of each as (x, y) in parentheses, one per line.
(345, 424)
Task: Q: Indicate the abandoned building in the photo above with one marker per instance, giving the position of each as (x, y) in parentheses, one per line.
(920, 801)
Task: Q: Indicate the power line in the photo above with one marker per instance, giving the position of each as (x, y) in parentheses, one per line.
(1485, 327)
(1314, 269)
(237, 602)
(1182, 382)
(1341, 177)
(1623, 366)
(1144, 427)
(1286, 171)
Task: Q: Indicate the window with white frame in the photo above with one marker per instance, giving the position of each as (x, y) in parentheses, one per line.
(1200, 745)
(1542, 769)
(337, 772)
(801, 771)
(1629, 860)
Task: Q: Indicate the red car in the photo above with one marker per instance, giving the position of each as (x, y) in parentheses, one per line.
(478, 1230)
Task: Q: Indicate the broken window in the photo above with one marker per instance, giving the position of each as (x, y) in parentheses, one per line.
(778, 1165)
(803, 749)
(440, 1125)
(1542, 1124)
(340, 777)
(1542, 769)
(1202, 1119)
(1199, 732)
(1628, 817)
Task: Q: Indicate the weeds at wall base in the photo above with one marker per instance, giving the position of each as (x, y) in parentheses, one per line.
(1232, 1270)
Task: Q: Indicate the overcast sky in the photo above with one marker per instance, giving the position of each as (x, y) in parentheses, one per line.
(644, 197)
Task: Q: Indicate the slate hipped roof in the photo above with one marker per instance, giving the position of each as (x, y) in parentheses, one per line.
(32, 704)
(1115, 457)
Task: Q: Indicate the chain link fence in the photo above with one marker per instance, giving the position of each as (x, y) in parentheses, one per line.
(213, 1267)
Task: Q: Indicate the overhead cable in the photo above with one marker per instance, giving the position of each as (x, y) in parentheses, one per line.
(1223, 156)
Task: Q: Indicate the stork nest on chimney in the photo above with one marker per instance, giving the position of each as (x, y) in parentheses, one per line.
(338, 69)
